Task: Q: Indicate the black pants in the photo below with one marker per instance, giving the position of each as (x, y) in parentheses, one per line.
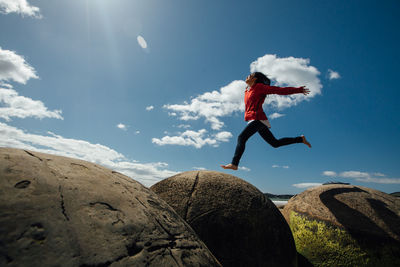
(262, 129)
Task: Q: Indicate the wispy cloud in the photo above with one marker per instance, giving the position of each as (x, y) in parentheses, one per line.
(333, 75)
(212, 106)
(14, 105)
(275, 115)
(354, 174)
(242, 168)
(122, 126)
(19, 6)
(149, 108)
(146, 173)
(223, 136)
(365, 177)
(306, 185)
(199, 168)
(13, 67)
(184, 126)
(279, 166)
(329, 173)
(192, 138)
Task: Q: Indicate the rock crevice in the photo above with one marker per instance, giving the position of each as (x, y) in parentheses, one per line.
(232, 217)
(62, 204)
(58, 211)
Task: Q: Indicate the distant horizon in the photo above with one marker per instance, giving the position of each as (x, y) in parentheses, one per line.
(152, 88)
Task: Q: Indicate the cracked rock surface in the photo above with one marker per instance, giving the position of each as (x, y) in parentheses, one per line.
(237, 222)
(57, 211)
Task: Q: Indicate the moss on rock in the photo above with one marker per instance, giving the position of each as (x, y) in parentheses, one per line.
(325, 244)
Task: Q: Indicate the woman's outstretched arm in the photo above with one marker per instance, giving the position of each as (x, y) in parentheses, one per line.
(268, 89)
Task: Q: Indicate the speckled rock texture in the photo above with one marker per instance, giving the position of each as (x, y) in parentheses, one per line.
(237, 222)
(346, 222)
(57, 211)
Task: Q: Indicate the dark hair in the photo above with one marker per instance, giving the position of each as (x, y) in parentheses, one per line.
(262, 78)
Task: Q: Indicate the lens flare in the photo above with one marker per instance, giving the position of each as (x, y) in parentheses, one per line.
(142, 42)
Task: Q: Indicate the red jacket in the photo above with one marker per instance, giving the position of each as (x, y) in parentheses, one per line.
(255, 96)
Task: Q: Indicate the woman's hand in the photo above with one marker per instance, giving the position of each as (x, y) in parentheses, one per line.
(306, 91)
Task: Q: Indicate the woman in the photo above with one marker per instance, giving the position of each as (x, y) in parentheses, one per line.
(258, 88)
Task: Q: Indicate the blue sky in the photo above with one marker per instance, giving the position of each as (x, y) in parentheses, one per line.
(153, 88)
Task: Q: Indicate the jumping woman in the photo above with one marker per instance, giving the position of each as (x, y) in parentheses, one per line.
(258, 87)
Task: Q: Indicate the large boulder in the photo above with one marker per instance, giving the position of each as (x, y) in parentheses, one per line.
(57, 211)
(346, 225)
(237, 222)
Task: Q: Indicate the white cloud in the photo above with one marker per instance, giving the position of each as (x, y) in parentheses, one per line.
(137, 132)
(192, 138)
(212, 106)
(184, 126)
(244, 169)
(365, 177)
(146, 173)
(333, 75)
(329, 173)
(278, 166)
(289, 71)
(275, 115)
(14, 105)
(354, 174)
(149, 108)
(122, 126)
(5, 85)
(13, 67)
(199, 168)
(223, 136)
(142, 42)
(379, 180)
(19, 6)
(306, 185)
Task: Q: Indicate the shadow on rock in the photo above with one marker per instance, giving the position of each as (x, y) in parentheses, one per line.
(391, 219)
(356, 223)
(303, 261)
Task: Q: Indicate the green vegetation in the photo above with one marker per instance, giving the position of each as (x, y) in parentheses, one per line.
(328, 245)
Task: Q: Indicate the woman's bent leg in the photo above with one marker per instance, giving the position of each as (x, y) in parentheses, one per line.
(250, 129)
(270, 138)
